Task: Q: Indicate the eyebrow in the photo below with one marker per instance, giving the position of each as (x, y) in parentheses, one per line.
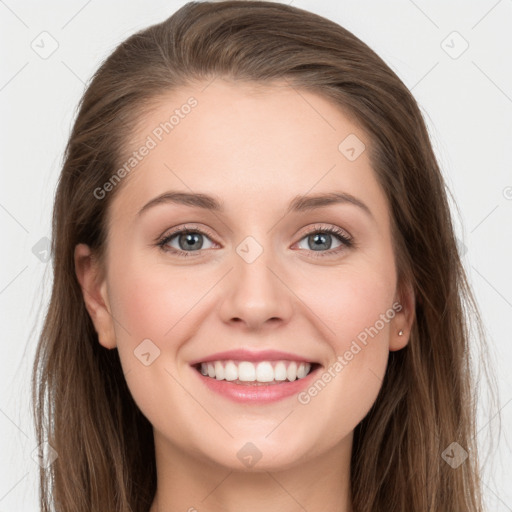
(297, 204)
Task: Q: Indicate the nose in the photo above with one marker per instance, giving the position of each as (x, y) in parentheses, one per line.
(256, 294)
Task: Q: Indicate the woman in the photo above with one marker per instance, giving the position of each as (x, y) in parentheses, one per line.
(312, 351)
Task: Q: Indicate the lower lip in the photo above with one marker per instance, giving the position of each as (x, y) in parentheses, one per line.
(257, 394)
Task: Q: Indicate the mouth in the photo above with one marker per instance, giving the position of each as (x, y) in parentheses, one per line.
(261, 373)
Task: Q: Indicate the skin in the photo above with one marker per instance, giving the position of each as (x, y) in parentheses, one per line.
(256, 148)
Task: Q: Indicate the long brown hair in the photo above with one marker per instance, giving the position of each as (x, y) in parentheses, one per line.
(82, 405)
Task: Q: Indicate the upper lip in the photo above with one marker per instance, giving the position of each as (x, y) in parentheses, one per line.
(249, 355)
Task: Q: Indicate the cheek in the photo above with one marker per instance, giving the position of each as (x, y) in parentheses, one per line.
(358, 309)
(149, 298)
(352, 301)
(356, 305)
(147, 302)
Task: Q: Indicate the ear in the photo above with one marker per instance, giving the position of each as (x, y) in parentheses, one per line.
(404, 317)
(94, 289)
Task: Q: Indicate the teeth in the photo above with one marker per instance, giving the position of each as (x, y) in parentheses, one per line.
(219, 370)
(291, 373)
(264, 371)
(280, 371)
(301, 372)
(231, 371)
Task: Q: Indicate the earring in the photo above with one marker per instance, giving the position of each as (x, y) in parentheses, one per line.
(400, 332)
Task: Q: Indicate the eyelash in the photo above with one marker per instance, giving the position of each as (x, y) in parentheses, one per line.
(347, 242)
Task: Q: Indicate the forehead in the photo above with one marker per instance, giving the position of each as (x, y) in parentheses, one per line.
(253, 145)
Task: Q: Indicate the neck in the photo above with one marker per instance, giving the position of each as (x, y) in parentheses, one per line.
(192, 484)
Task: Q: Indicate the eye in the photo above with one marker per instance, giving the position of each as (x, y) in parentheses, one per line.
(189, 241)
(321, 238)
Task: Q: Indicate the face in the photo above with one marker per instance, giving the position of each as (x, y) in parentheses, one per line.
(283, 280)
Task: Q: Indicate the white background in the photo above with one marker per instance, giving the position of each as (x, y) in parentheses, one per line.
(467, 103)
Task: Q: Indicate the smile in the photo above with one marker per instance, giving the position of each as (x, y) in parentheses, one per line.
(263, 372)
(256, 383)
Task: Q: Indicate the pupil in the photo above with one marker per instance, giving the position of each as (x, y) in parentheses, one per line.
(322, 238)
(191, 238)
